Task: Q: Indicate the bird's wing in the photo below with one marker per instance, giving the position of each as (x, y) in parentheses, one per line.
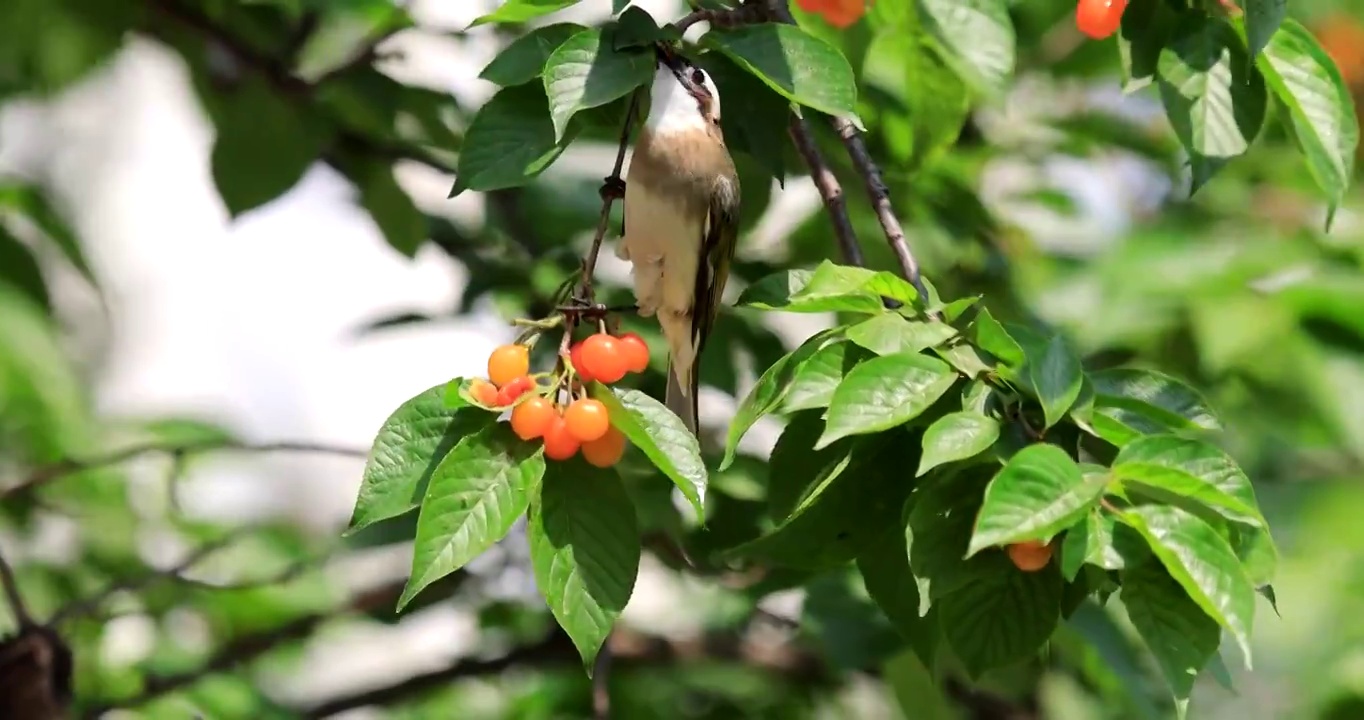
(717, 251)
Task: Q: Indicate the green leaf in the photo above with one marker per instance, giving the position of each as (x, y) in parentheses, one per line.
(991, 336)
(509, 142)
(584, 550)
(1200, 559)
(1057, 377)
(403, 225)
(584, 72)
(1037, 495)
(524, 59)
(799, 66)
(345, 32)
(977, 36)
(813, 380)
(1307, 82)
(1215, 101)
(891, 333)
(1002, 618)
(661, 436)
(1263, 18)
(829, 288)
(1180, 635)
(407, 450)
(47, 418)
(884, 392)
(1259, 556)
(264, 145)
(769, 391)
(1130, 402)
(751, 110)
(1092, 541)
(957, 436)
(1192, 469)
(476, 494)
(519, 11)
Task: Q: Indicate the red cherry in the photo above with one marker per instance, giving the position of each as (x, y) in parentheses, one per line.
(1099, 18)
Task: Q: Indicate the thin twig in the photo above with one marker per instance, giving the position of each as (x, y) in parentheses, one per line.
(57, 470)
(722, 18)
(880, 201)
(610, 192)
(22, 618)
(778, 11)
(829, 189)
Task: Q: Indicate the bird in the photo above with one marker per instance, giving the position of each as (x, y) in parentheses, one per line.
(681, 222)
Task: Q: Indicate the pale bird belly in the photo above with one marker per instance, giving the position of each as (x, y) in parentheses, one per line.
(662, 244)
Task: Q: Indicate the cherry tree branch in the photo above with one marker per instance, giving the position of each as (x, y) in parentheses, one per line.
(49, 473)
(829, 189)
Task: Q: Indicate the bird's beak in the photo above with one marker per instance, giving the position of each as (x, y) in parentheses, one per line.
(669, 58)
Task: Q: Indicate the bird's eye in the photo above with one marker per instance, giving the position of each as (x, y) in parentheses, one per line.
(698, 77)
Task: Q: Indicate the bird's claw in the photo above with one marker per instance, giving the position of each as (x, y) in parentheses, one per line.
(612, 188)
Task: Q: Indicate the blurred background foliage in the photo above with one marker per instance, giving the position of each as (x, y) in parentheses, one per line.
(1063, 203)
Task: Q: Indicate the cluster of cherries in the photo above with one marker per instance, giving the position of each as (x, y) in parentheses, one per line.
(582, 424)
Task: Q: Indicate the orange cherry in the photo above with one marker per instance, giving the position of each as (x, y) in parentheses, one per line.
(1030, 555)
(603, 359)
(607, 450)
(587, 420)
(559, 442)
(507, 363)
(532, 418)
(636, 352)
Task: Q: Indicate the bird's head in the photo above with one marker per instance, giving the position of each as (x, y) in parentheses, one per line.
(683, 96)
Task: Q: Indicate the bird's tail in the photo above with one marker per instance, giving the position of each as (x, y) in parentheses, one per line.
(680, 400)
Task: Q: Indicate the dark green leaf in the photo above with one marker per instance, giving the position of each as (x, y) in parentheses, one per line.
(20, 269)
(891, 333)
(519, 11)
(265, 143)
(663, 438)
(584, 72)
(524, 59)
(1145, 26)
(1200, 559)
(751, 110)
(1180, 635)
(33, 206)
(798, 472)
(839, 514)
(403, 225)
(884, 392)
(1262, 22)
(799, 66)
(942, 512)
(408, 448)
(509, 141)
(476, 493)
(977, 36)
(1192, 469)
(1002, 618)
(957, 436)
(637, 28)
(1056, 377)
(584, 549)
(1039, 493)
(884, 565)
(1214, 99)
(1307, 82)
